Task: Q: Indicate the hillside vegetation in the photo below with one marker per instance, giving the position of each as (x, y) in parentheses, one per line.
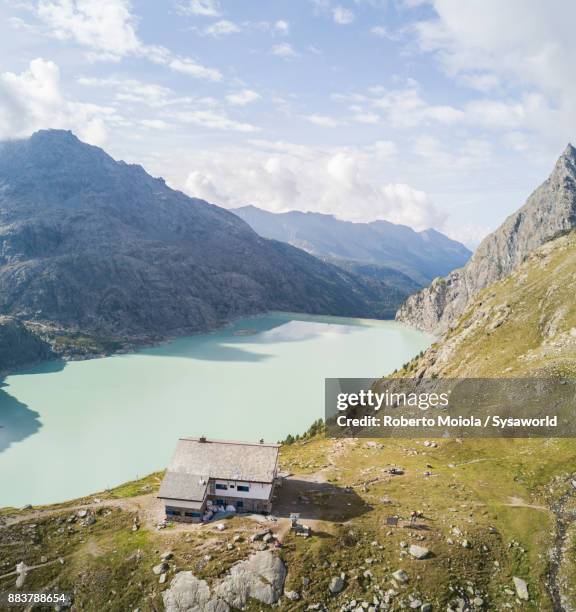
(524, 325)
(487, 517)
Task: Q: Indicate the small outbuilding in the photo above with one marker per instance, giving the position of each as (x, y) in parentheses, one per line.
(207, 476)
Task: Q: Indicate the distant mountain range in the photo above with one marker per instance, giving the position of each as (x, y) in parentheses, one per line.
(548, 213)
(386, 247)
(94, 247)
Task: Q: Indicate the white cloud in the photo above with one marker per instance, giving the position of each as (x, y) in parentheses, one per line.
(213, 119)
(284, 50)
(132, 90)
(323, 121)
(155, 124)
(186, 65)
(406, 108)
(379, 31)
(282, 27)
(108, 29)
(204, 8)
(280, 176)
(33, 100)
(222, 28)
(363, 117)
(172, 110)
(522, 43)
(104, 25)
(342, 16)
(243, 97)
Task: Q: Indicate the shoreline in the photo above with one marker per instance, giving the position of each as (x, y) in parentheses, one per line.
(136, 343)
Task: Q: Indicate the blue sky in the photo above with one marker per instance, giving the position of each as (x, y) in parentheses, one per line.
(437, 113)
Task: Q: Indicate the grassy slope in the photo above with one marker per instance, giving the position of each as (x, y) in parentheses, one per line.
(523, 325)
(475, 486)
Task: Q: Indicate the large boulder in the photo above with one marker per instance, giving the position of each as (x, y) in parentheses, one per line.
(260, 577)
(189, 594)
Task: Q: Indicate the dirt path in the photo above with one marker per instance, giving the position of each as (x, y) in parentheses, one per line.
(148, 508)
(518, 502)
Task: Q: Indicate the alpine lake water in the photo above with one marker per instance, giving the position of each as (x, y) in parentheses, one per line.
(68, 429)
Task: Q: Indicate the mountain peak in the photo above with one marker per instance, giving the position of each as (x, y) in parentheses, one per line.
(566, 164)
(548, 212)
(569, 151)
(54, 136)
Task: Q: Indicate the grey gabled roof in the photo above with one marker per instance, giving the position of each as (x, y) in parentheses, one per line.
(220, 459)
(183, 486)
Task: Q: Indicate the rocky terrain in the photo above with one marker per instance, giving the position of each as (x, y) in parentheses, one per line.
(98, 249)
(549, 212)
(485, 537)
(522, 326)
(395, 250)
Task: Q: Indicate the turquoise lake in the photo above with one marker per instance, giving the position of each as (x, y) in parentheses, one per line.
(75, 428)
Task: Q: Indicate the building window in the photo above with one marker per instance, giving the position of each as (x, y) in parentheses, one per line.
(222, 487)
(172, 512)
(193, 514)
(244, 488)
(220, 502)
(240, 504)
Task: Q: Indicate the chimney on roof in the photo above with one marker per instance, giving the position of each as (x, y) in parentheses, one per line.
(202, 439)
(261, 440)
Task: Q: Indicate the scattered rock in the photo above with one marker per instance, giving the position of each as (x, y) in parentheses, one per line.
(521, 588)
(336, 585)
(418, 552)
(22, 572)
(160, 568)
(292, 595)
(400, 576)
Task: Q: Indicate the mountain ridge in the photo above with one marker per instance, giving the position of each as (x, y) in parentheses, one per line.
(523, 325)
(95, 246)
(420, 255)
(549, 212)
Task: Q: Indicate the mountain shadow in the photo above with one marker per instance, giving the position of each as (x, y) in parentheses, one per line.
(17, 421)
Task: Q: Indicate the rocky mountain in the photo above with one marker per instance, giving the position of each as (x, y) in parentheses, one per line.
(95, 246)
(422, 256)
(549, 212)
(522, 326)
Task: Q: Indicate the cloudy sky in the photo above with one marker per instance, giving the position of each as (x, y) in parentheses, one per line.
(442, 113)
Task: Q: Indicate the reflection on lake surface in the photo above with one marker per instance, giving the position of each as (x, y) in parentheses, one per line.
(72, 429)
